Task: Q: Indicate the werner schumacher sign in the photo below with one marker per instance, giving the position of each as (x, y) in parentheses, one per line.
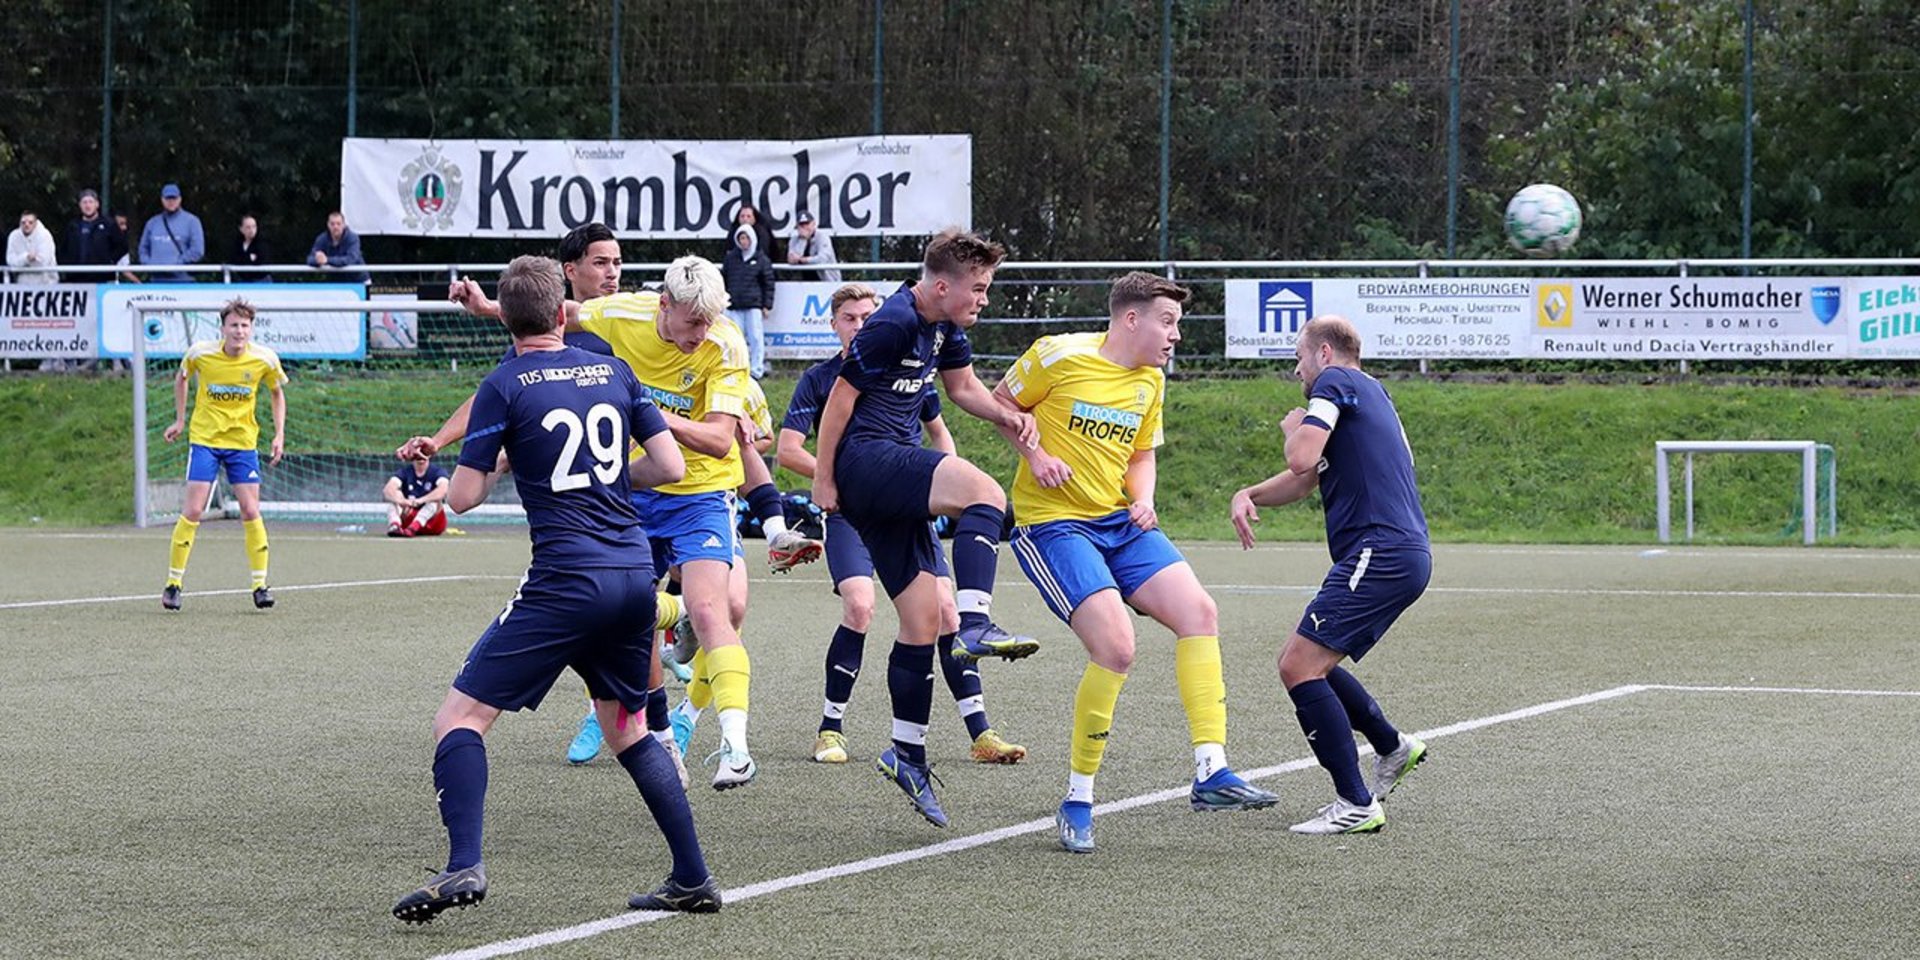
(539, 189)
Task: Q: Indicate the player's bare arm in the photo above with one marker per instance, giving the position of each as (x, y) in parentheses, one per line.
(1275, 491)
(470, 488)
(792, 453)
(1048, 470)
(452, 430)
(391, 493)
(966, 391)
(662, 465)
(1141, 479)
(939, 437)
(1305, 444)
(279, 424)
(711, 436)
(833, 424)
(179, 424)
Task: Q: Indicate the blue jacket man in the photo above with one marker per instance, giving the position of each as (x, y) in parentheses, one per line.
(172, 237)
(338, 247)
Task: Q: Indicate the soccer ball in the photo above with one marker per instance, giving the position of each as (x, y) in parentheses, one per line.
(1543, 220)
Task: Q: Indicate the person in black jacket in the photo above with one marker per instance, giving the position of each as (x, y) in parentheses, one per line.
(749, 274)
(92, 240)
(249, 249)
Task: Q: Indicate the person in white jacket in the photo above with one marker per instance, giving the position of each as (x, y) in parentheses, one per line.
(31, 246)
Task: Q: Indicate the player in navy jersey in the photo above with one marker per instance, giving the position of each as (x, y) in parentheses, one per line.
(891, 486)
(416, 495)
(564, 419)
(1347, 441)
(851, 568)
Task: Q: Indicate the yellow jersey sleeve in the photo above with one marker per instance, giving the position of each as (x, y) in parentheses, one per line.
(757, 409)
(728, 383)
(1030, 377)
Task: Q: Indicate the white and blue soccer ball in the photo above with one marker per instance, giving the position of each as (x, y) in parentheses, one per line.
(1543, 220)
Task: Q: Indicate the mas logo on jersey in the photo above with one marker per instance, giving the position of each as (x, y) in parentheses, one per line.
(429, 189)
(1103, 423)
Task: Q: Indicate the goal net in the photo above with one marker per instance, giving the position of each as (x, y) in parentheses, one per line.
(417, 361)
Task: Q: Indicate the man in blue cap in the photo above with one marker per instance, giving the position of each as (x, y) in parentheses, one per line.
(172, 237)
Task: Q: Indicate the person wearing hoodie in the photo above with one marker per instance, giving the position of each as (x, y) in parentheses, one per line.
(748, 271)
(338, 247)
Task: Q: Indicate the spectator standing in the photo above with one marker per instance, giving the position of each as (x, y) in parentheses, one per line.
(339, 247)
(93, 240)
(30, 246)
(249, 250)
(749, 216)
(749, 276)
(810, 246)
(173, 237)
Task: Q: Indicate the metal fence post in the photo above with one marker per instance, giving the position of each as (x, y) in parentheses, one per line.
(136, 315)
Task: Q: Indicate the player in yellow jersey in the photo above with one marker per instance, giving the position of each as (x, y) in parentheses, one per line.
(692, 360)
(1090, 541)
(230, 372)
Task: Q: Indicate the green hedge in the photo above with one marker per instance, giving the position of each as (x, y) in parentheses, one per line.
(1498, 462)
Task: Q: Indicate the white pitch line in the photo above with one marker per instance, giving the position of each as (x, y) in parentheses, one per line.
(1822, 691)
(280, 589)
(958, 844)
(1601, 592)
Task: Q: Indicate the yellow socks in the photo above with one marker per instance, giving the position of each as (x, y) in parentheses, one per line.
(1093, 717)
(700, 688)
(257, 550)
(179, 548)
(729, 672)
(1196, 669)
(667, 611)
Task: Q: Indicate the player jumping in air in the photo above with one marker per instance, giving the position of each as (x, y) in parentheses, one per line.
(1347, 441)
(872, 468)
(851, 568)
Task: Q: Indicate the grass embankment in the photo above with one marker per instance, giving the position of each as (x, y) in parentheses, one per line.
(1498, 462)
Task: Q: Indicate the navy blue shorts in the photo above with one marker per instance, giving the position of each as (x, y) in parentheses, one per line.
(847, 555)
(885, 482)
(599, 621)
(1362, 596)
(884, 487)
(1071, 560)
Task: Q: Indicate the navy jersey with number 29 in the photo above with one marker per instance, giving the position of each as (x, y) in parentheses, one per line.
(565, 418)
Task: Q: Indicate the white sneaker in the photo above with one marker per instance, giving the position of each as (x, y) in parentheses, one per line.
(736, 768)
(1343, 817)
(790, 549)
(679, 763)
(1392, 768)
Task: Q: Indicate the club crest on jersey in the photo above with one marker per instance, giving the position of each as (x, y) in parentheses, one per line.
(1140, 398)
(686, 379)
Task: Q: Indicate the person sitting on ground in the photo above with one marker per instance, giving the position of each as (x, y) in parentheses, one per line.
(416, 495)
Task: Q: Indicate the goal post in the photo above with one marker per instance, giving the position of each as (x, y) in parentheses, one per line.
(345, 413)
